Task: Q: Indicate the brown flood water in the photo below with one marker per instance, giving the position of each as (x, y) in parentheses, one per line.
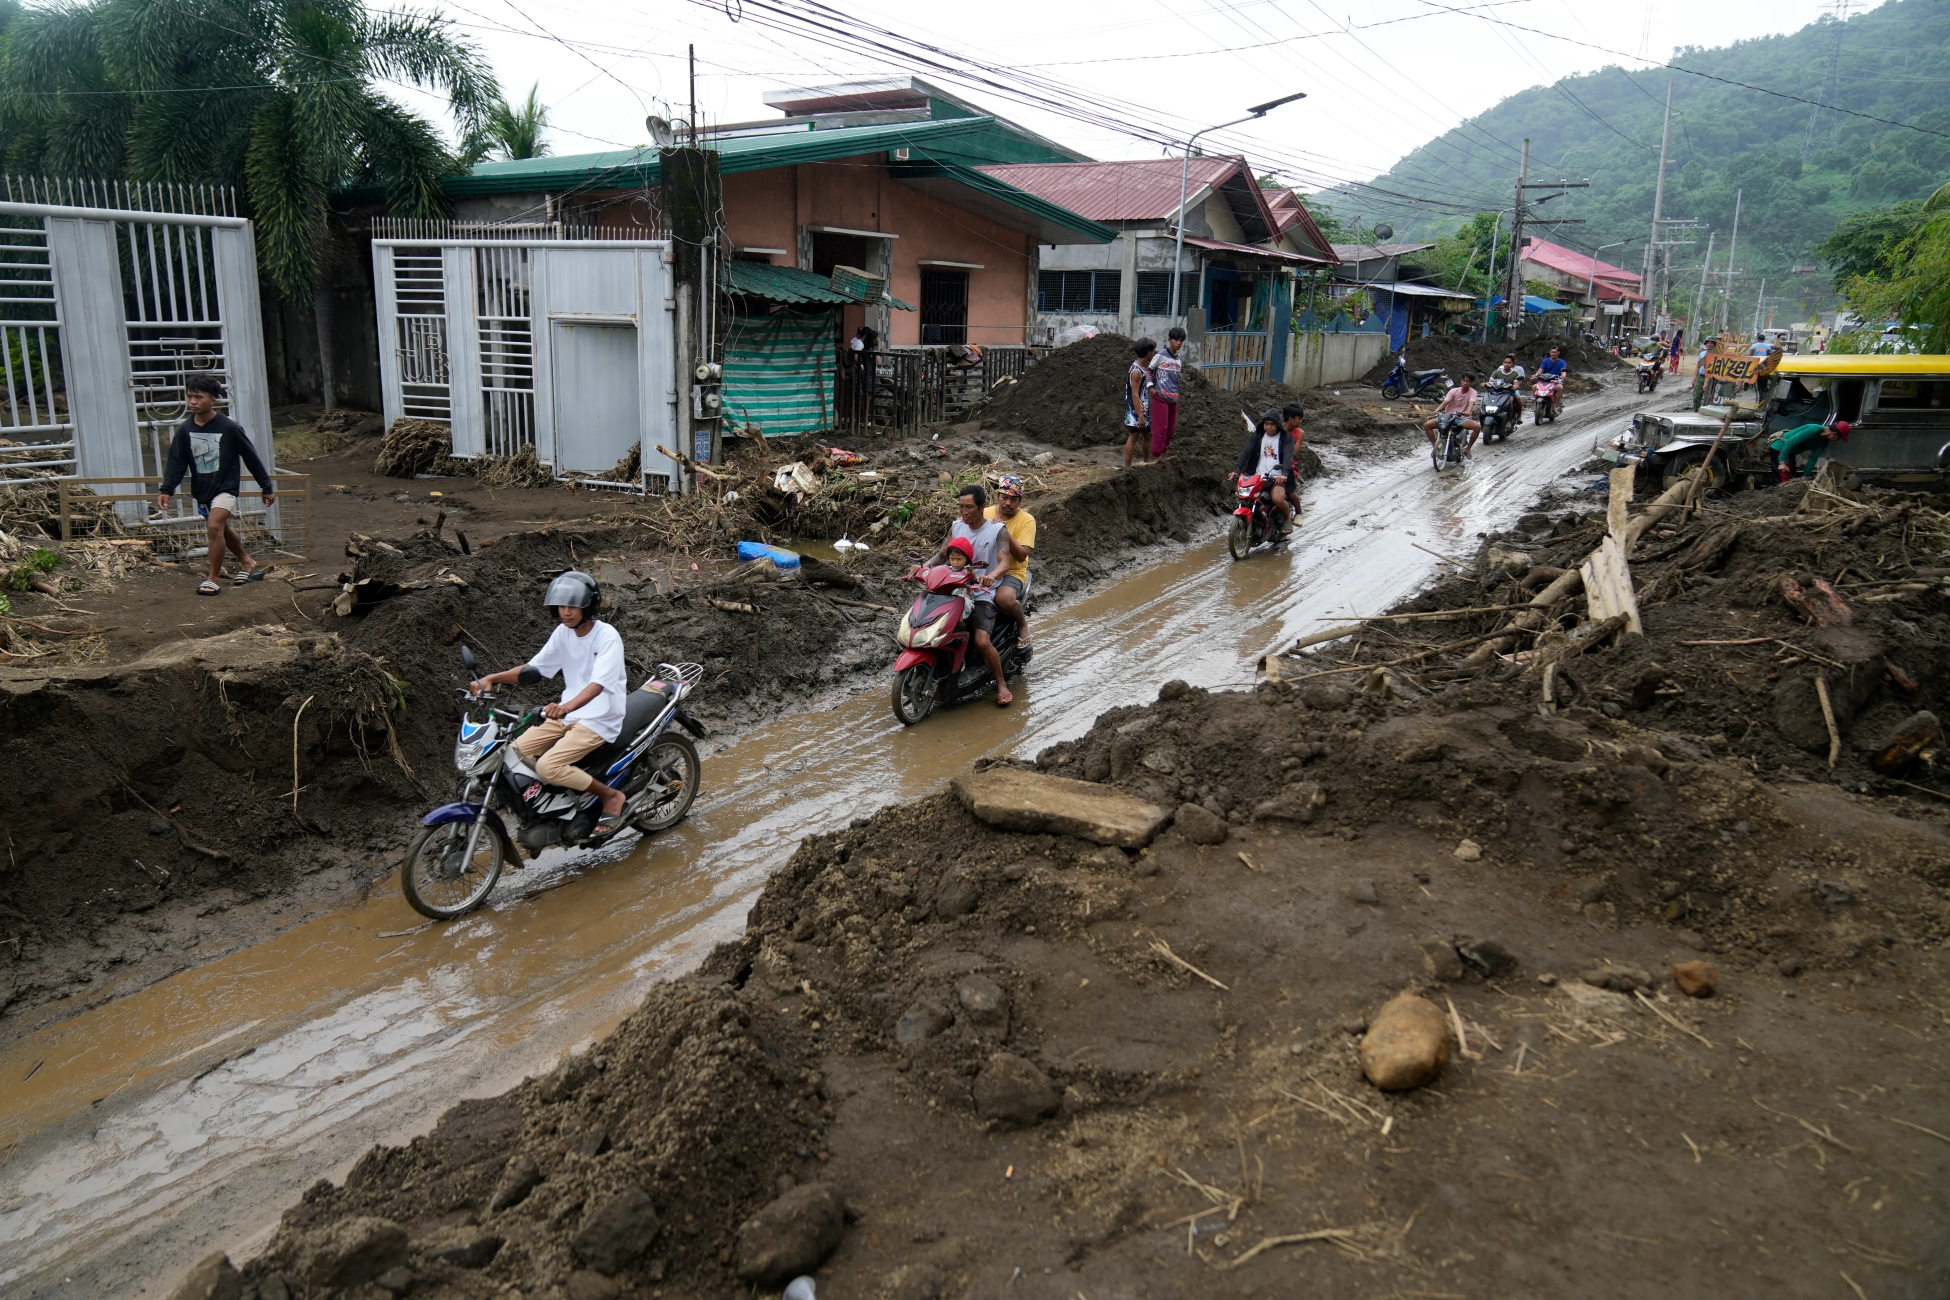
(181, 1118)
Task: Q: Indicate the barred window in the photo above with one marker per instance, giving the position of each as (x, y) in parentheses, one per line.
(1154, 292)
(1079, 291)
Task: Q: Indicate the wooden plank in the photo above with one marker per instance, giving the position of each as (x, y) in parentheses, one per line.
(1618, 508)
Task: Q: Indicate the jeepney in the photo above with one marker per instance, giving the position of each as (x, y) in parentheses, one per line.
(1898, 409)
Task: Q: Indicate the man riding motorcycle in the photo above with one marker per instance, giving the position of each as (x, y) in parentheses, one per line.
(1510, 375)
(588, 654)
(1269, 453)
(1551, 369)
(993, 550)
(1461, 401)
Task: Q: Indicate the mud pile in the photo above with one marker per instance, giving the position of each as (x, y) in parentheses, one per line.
(1457, 355)
(947, 1055)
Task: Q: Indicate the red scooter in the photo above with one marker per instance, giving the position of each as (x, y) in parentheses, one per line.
(1255, 519)
(935, 666)
(1548, 400)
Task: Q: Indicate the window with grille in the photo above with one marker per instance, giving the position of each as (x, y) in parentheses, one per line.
(1079, 291)
(1154, 292)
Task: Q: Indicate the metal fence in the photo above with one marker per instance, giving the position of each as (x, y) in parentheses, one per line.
(79, 516)
(903, 388)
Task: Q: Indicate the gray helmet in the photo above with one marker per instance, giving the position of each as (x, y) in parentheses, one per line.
(576, 588)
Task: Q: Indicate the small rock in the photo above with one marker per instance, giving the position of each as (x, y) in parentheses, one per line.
(1013, 1092)
(272, 1287)
(1406, 1046)
(157, 826)
(1299, 802)
(1200, 825)
(1160, 760)
(1468, 851)
(1439, 959)
(1834, 894)
(1790, 966)
(1593, 890)
(1601, 1001)
(1363, 891)
(1487, 956)
(351, 1251)
(957, 894)
(397, 1280)
(594, 1142)
(520, 1178)
(463, 1247)
(1325, 697)
(617, 1232)
(1547, 979)
(214, 1278)
(1689, 939)
(791, 1235)
(1914, 738)
(587, 1285)
(921, 1022)
(1174, 690)
(1355, 1025)
(1696, 979)
(983, 1001)
(1619, 979)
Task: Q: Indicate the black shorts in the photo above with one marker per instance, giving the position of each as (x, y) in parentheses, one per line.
(981, 617)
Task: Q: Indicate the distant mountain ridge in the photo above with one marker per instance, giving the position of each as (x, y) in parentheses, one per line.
(1894, 64)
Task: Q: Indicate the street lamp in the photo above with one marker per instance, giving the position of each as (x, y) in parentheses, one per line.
(1184, 182)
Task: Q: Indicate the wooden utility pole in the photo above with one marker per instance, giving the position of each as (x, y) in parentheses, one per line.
(1655, 250)
(692, 198)
(1512, 301)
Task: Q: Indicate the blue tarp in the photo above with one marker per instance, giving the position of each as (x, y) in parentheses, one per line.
(1531, 303)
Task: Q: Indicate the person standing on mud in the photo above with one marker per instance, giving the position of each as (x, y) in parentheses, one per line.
(1012, 588)
(1166, 371)
(210, 448)
(1137, 399)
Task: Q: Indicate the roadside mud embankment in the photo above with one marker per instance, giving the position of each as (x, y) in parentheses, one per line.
(986, 1040)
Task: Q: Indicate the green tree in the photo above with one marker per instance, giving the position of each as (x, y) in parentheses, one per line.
(512, 131)
(1866, 244)
(280, 98)
(1908, 282)
(1461, 261)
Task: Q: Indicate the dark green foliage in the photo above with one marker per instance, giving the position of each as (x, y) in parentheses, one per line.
(1867, 243)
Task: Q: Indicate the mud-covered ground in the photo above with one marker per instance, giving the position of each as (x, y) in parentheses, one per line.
(949, 1059)
(153, 768)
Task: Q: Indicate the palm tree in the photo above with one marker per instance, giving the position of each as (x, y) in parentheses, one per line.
(279, 98)
(513, 132)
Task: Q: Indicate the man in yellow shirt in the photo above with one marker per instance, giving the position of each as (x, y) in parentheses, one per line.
(1012, 588)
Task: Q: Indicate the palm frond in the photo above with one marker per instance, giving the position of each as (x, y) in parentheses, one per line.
(404, 155)
(421, 49)
(518, 131)
(287, 199)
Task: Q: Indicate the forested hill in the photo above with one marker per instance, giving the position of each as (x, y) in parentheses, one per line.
(1894, 64)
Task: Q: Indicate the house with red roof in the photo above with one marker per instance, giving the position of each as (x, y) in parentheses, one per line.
(1608, 296)
(1242, 247)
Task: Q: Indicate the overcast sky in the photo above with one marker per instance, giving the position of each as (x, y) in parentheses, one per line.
(1380, 79)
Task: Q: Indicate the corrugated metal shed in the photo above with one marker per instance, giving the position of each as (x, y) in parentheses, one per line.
(789, 284)
(1571, 262)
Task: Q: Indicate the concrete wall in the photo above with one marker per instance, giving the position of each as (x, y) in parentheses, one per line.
(1316, 360)
(769, 209)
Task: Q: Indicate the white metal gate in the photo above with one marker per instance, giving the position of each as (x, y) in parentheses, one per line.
(105, 311)
(518, 340)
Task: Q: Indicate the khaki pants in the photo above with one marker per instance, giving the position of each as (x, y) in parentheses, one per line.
(564, 744)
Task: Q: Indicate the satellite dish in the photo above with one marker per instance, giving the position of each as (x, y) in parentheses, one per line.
(1384, 231)
(660, 131)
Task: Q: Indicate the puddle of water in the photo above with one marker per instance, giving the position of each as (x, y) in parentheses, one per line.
(356, 1029)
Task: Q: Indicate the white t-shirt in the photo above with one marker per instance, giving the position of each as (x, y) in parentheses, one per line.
(984, 539)
(1269, 453)
(596, 657)
(1513, 375)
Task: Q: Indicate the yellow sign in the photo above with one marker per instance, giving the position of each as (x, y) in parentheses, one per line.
(1737, 367)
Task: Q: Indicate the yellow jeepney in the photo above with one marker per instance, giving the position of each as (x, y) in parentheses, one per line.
(1898, 407)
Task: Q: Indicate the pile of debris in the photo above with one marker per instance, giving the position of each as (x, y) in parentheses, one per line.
(1457, 355)
(1804, 630)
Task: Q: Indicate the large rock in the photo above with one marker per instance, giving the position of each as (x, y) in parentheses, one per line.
(792, 1235)
(215, 1278)
(1915, 737)
(1406, 1045)
(517, 1180)
(1036, 804)
(617, 1232)
(1200, 825)
(1013, 1092)
(351, 1251)
(921, 1022)
(1299, 802)
(463, 1247)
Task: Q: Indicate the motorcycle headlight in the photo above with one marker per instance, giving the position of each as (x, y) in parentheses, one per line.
(928, 635)
(467, 753)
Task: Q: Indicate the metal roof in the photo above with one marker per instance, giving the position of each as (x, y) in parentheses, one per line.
(1144, 190)
(790, 284)
(1254, 250)
(1371, 252)
(630, 168)
(1571, 262)
(975, 189)
(1868, 364)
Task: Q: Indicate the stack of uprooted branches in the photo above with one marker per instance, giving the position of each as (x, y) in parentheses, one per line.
(1805, 627)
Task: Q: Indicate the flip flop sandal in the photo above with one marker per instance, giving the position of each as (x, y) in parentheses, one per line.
(249, 575)
(209, 589)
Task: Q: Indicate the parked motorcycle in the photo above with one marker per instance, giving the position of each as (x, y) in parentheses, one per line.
(935, 667)
(1499, 410)
(1649, 374)
(1417, 383)
(1451, 441)
(1256, 519)
(1547, 400)
(452, 865)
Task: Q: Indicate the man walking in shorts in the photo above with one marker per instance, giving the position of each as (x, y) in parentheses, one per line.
(210, 448)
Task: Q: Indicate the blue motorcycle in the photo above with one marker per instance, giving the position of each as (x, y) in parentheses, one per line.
(452, 865)
(1417, 383)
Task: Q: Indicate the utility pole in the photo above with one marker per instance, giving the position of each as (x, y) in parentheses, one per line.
(1758, 301)
(1512, 305)
(1733, 249)
(1654, 250)
(693, 61)
(1489, 289)
(1699, 299)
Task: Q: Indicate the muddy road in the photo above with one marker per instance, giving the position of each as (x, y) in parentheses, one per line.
(151, 1130)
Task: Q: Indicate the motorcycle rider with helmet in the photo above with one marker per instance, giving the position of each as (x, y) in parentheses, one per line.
(588, 654)
(1269, 453)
